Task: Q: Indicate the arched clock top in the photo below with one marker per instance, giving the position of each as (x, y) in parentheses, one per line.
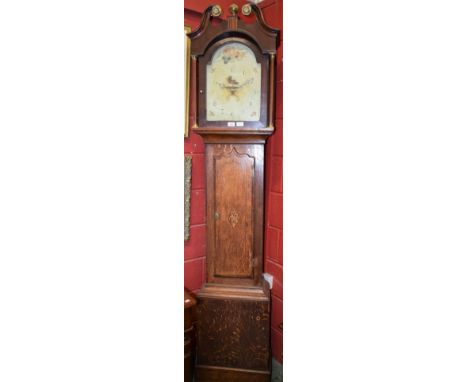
(234, 96)
(218, 45)
(209, 32)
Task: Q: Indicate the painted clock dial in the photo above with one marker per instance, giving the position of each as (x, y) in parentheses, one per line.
(233, 84)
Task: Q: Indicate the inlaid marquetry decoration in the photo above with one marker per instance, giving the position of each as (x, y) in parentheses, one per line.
(187, 188)
(233, 218)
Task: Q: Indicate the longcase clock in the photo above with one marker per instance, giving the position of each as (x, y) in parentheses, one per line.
(233, 63)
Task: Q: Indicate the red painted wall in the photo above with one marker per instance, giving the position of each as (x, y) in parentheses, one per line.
(195, 247)
(194, 251)
(273, 259)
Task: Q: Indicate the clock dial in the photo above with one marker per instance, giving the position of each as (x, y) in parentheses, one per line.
(233, 84)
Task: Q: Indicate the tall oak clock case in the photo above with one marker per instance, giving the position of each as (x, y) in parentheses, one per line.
(233, 64)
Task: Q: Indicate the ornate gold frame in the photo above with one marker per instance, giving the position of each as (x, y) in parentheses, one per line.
(187, 29)
(187, 187)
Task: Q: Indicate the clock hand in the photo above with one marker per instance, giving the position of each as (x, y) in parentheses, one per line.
(248, 82)
(233, 87)
(229, 87)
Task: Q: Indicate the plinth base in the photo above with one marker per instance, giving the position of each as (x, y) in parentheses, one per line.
(215, 374)
(233, 334)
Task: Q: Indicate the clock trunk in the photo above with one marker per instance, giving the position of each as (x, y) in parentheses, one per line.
(235, 213)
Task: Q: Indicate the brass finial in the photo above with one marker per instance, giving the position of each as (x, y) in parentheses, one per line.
(216, 11)
(246, 9)
(233, 8)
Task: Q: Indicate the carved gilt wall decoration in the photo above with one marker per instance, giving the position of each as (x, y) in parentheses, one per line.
(187, 188)
(187, 29)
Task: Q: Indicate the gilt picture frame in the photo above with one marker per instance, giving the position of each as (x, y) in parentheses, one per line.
(187, 189)
(187, 30)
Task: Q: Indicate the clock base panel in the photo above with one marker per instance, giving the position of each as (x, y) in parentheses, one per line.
(233, 334)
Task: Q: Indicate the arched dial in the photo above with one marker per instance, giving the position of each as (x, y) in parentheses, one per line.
(233, 84)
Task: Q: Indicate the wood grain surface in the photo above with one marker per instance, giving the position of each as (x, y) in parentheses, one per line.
(234, 333)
